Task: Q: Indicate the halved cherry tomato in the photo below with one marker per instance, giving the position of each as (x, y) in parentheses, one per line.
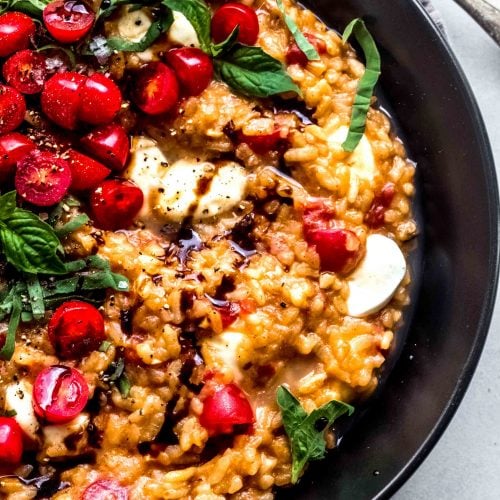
(115, 203)
(12, 109)
(76, 328)
(156, 89)
(101, 100)
(11, 441)
(42, 178)
(296, 56)
(224, 408)
(233, 14)
(60, 393)
(68, 20)
(13, 147)
(26, 71)
(264, 143)
(317, 215)
(194, 69)
(109, 144)
(105, 489)
(61, 98)
(86, 173)
(382, 201)
(16, 29)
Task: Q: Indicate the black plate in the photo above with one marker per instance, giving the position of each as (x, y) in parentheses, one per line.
(437, 113)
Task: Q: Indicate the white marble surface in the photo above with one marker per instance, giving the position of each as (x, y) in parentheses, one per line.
(465, 464)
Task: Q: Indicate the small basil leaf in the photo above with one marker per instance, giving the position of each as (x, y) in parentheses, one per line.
(124, 386)
(367, 83)
(105, 346)
(7, 204)
(252, 72)
(35, 294)
(10, 339)
(302, 42)
(220, 48)
(198, 14)
(72, 225)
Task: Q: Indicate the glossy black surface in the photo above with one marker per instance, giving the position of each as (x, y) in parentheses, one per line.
(445, 135)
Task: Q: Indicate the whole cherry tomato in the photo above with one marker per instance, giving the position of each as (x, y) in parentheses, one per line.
(193, 68)
(295, 56)
(12, 109)
(16, 30)
(13, 147)
(86, 173)
(100, 101)
(11, 441)
(68, 20)
(42, 178)
(60, 393)
(233, 14)
(105, 489)
(115, 203)
(26, 71)
(156, 89)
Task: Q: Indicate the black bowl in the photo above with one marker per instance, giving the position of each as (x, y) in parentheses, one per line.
(451, 312)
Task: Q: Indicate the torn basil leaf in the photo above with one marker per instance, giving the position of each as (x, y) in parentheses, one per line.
(220, 48)
(124, 386)
(367, 83)
(9, 345)
(105, 346)
(307, 432)
(73, 225)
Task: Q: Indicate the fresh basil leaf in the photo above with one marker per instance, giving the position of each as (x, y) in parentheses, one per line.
(252, 72)
(8, 204)
(198, 14)
(10, 413)
(367, 83)
(35, 293)
(32, 7)
(105, 346)
(124, 386)
(307, 440)
(302, 42)
(117, 368)
(72, 225)
(220, 48)
(10, 339)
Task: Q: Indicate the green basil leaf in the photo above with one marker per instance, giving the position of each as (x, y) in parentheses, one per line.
(117, 368)
(252, 72)
(302, 42)
(105, 346)
(220, 48)
(30, 244)
(72, 225)
(124, 386)
(198, 14)
(307, 441)
(10, 413)
(367, 83)
(8, 204)
(10, 339)
(35, 293)
(31, 7)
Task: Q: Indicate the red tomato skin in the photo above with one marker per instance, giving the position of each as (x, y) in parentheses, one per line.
(382, 201)
(12, 109)
(60, 393)
(16, 30)
(224, 408)
(75, 329)
(54, 171)
(13, 148)
(193, 68)
(115, 203)
(25, 71)
(156, 89)
(101, 100)
(105, 489)
(317, 215)
(11, 441)
(263, 143)
(86, 173)
(295, 56)
(233, 14)
(61, 98)
(68, 30)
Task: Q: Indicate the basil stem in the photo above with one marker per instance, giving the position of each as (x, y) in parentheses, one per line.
(366, 84)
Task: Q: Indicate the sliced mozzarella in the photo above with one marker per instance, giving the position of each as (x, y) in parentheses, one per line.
(18, 398)
(182, 32)
(184, 188)
(55, 437)
(132, 26)
(374, 282)
(222, 352)
(361, 160)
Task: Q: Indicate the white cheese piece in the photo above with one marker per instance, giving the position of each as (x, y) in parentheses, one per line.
(221, 352)
(132, 26)
(182, 32)
(374, 282)
(361, 160)
(172, 190)
(55, 435)
(18, 398)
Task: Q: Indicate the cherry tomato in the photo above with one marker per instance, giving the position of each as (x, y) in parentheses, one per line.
(12, 109)
(101, 100)
(105, 489)
(109, 144)
(295, 56)
(382, 201)
(60, 393)
(263, 143)
(86, 173)
(11, 441)
(233, 14)
(61, 98)
(25, 71)
(42, 178)
(317, 215)
(194, 69)
(16, 29)
(115, 203)
(76, 328)
(156, 89)
(68, 20)
(13, 147)
(225, 407)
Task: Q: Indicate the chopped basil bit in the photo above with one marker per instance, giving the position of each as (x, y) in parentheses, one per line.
(31, 7)
(117, 368)
(10, 339)
(220, 48)
(10, 413)
(72, 225)
(105, 346)
(35, 293)
(124, 386)
(306, 432)
(366, 84)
